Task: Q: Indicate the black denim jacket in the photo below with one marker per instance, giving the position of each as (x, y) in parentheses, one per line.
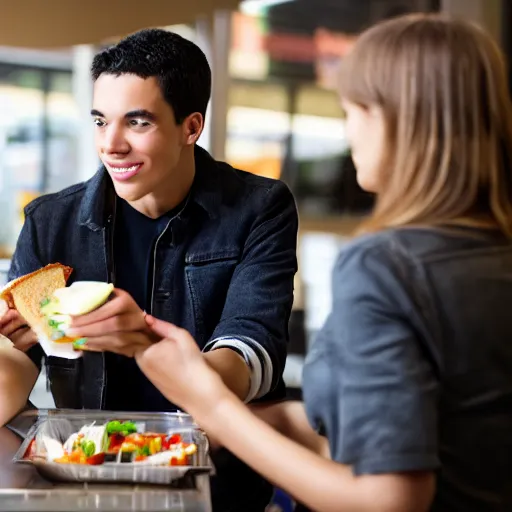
(223, 268)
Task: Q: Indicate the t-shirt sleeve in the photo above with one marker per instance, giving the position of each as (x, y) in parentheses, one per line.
(384, 415)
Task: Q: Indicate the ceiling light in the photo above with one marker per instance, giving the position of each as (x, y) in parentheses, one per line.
(259, 7)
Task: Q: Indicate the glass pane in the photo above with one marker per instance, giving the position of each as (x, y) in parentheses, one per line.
(62, 126)
(296, 47)
(257, 140)
(21, 146)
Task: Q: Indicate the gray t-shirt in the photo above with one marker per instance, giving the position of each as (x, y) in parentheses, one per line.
(413, 368)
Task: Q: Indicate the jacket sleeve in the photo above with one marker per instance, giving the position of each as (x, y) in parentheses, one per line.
(258, 305)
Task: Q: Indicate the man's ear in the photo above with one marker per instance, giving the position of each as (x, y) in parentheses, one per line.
(193, 126)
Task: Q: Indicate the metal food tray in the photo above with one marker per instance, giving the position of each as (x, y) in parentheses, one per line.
(59, 424)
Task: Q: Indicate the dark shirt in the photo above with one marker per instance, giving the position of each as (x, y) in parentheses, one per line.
(135, 236)
(413, 369)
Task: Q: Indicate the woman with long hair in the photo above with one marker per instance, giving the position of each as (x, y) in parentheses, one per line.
(410, 380)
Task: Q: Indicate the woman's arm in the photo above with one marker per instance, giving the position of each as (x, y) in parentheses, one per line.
(18, 375)
(289, 418)
(321, 484)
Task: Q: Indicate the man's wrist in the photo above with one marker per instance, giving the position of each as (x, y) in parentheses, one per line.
(257, 359)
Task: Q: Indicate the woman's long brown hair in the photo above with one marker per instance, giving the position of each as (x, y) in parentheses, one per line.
(443, 89)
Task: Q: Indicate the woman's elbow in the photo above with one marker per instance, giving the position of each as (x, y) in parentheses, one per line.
(411, 492)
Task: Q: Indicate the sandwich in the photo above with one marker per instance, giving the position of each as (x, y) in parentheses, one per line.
(48, 305)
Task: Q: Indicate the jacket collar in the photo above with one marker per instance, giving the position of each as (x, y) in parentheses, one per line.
(93, 209)
(207, 188)
(97, 203)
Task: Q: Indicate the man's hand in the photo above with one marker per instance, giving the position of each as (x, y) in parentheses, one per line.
(14, 327)
(118, 326)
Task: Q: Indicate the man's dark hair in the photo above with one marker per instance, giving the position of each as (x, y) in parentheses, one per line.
(179, 65)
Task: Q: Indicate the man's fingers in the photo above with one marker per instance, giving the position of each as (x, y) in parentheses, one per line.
(14, 325)
(113, 307)
(23, 339)
(126, 345)
(161, 328)
(11, 315)
(119, 323)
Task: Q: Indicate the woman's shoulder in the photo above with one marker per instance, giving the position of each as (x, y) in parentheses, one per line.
(416, 243)
(368, 246)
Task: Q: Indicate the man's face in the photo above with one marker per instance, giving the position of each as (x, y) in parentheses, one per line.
(137, 137)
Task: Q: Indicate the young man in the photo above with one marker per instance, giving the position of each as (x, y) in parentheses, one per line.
(183, 237)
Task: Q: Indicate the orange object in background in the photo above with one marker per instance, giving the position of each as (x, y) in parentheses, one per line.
(267, 167)
(23, 198)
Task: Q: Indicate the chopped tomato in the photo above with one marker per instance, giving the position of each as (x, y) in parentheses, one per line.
(115, 442)
(180, 460)
(174, 439)
(31, 450)
(96, 460)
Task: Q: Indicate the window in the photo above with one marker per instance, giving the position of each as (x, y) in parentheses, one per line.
(37, 141)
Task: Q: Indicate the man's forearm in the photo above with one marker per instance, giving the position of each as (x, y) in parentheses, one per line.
(18, 375)
(233, 370)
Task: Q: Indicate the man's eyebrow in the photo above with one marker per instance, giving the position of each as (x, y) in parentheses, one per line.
(141, 113)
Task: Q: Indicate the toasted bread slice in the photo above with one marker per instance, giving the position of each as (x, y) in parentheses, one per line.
(28, 292)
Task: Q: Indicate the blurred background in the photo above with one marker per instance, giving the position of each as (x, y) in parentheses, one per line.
(274, 109)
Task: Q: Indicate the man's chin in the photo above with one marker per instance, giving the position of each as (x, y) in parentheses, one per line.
(129, 193)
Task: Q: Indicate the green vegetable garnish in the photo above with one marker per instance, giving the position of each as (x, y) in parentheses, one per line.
(88, 447)
(45, 302)
(144, 451)
(116, 427)
(113, 427)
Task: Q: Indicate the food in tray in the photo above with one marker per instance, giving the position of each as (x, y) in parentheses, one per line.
(117, 442)
(47, 305)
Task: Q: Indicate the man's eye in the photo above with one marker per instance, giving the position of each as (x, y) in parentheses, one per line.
(138, 122)
(99, 122)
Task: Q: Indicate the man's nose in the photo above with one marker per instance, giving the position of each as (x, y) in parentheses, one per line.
(114, 140)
